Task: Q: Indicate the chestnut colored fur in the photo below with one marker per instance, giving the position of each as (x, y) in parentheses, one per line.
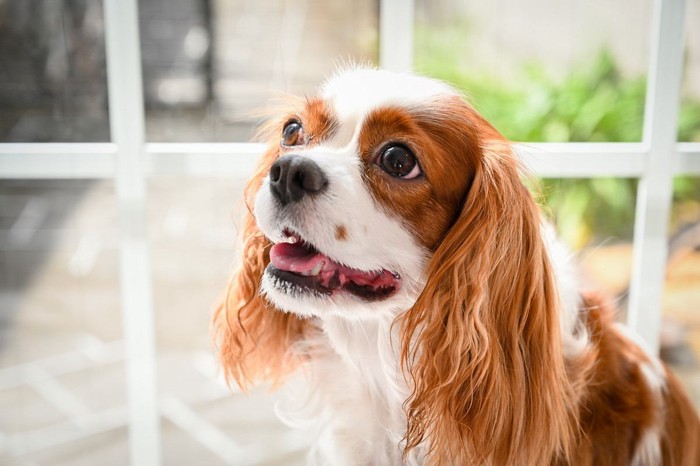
(501, 367)
(616, 405)
(253, 337)
(481, 348)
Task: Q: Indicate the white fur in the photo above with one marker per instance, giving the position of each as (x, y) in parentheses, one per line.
(374, 240)
(351, 397)
(356, 92)
(352, 394)
(574, 334)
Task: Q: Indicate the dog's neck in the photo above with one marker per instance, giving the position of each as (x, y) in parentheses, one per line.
(370, 348)
(354, 394)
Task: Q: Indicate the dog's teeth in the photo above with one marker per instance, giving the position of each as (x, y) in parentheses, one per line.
(315, 271)
(292, 239)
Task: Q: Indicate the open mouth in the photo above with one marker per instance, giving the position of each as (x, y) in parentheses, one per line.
(301, 267)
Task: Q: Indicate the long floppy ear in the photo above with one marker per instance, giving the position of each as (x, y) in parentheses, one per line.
(254, 338)
(481, 346)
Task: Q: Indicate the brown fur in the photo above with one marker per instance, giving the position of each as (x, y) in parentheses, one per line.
(481, 347)
(341, 233)
(429, 208)
(254, 338)
(617, 406)
(680, 441)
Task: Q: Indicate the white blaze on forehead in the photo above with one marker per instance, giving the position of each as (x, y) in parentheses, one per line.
(353, 94)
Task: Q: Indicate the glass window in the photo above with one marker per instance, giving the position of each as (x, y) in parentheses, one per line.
(210, 67)
(689, 120)
(542, 70)
(62, 392)
(594, 217)
(199, 218)
(680, 326)
(53, 84)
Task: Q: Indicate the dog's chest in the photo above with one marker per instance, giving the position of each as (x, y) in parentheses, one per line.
(355, 396)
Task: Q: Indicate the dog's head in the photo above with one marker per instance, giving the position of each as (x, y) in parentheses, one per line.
(365, 180)
(388, 196)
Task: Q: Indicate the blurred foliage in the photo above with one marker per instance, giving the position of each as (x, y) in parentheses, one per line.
(594, 103)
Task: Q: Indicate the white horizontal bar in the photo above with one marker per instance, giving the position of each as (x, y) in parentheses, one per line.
(57, 160)
(583, 160)
(688, 158)
(88, 160)
(55, 148)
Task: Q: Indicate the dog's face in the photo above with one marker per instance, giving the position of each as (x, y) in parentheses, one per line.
(365, 180)
(388, 196)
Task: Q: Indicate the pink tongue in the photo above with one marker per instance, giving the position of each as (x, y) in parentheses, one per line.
(297, 258)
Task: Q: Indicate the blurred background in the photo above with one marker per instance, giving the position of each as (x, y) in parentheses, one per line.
(539, 70)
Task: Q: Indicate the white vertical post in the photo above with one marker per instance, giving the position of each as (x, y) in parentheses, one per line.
(655, 190)
(396, 35)
(127, 129)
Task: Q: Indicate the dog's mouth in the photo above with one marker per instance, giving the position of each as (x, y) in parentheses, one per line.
(297, 266)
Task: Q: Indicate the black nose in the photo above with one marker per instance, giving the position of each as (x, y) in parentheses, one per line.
(292, 177)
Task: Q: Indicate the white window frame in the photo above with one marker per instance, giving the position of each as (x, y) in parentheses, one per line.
(129, 161)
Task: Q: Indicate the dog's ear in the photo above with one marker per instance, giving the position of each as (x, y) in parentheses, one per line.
(253, 337)
(481, 347)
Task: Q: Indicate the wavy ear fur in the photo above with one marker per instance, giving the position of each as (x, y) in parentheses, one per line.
(254, 338)
(482, 345)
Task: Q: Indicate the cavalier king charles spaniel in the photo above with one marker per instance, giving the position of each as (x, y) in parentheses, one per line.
(398, 279)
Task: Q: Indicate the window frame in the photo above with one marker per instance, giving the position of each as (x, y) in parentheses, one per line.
(129, 161)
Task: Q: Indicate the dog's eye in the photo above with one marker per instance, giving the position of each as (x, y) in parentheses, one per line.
(293, 134)
(399, 162)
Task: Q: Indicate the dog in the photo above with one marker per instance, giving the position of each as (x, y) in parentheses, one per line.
(397, 270)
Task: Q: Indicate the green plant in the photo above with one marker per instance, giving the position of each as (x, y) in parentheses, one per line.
(593, 103)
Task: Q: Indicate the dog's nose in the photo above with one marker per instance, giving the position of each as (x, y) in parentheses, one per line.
(292, 177)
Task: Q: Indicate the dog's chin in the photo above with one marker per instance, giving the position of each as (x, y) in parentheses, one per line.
(296, 295)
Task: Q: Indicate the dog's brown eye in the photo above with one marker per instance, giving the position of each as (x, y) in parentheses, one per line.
(293, 134)
(399, 162)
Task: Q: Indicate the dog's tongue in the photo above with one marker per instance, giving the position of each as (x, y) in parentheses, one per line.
(295, 257)
(304, 260)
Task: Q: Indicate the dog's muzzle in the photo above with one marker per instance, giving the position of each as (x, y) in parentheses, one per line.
(293, 177)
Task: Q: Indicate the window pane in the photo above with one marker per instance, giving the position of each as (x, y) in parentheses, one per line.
(542, 70)
(594, 217)
(199, 218)
(62, 393)
(680, 327)
(211, 66)
(689, 122)
(53, 84)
